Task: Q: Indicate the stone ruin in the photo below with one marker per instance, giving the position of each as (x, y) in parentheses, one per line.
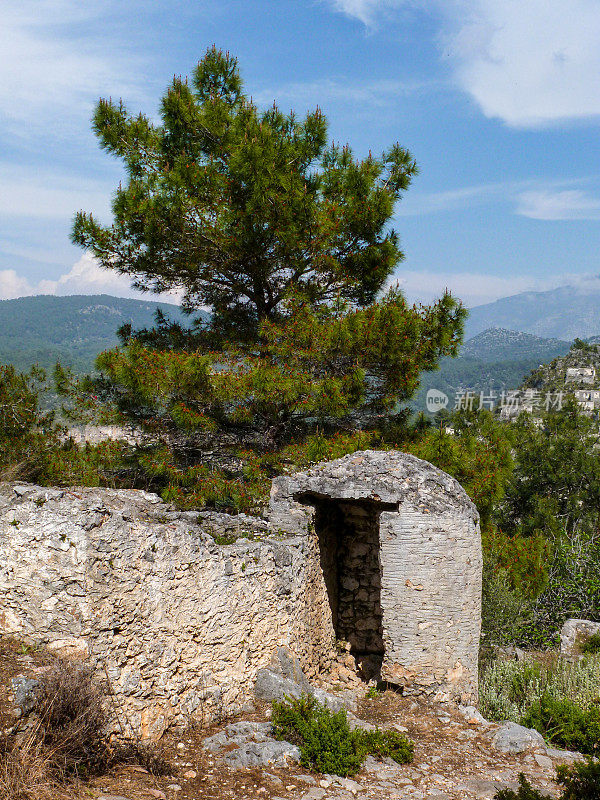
(378, 549)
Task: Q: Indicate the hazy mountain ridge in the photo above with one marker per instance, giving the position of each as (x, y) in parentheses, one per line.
(564, 313)
(500, 344)
(44, 329)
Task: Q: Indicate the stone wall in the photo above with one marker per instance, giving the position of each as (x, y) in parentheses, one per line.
(378, 548)
(181, 623)
(429, 551)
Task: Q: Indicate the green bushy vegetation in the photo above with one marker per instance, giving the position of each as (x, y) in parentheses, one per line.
(580, 782)
(326, 742)
(591, 646)
(566, 724)
(557, 697)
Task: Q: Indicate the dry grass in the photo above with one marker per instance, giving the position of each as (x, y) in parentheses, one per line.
(28, 771)
(47, 756)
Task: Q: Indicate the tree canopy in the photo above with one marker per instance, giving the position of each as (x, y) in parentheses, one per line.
(287, 240)
(241, 207)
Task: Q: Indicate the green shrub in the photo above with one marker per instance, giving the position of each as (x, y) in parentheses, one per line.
(591, 646)
(509, 688)
(525, 792)
(566, 724)
(387, 744)
(581, 782)
(326, 742)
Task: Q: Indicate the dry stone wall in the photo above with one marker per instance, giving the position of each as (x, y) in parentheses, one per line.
(379, 549)
(181, 623)
(429, 552)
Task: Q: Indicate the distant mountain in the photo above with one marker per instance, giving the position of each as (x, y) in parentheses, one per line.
(45, 329)
(564, 313)
(494, 360)
(500, 344)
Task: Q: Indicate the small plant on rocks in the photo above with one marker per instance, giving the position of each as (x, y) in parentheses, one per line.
(591, 646)
(581, 782)
(326, 742)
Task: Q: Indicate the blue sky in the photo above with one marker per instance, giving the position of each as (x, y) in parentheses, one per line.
(498, 100)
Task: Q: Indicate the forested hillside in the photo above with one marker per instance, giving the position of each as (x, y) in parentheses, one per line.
(73, 330)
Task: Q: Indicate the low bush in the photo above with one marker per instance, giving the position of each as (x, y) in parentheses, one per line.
(326, 742)
(508, 689)
(71, 719)
(591, 646)
(566, 724)
(524, 792)
(581, 782)
(66, 739)
(387, 744)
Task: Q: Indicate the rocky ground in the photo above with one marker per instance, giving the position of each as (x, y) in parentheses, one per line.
(458, 756)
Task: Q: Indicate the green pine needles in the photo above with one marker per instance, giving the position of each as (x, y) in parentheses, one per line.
(241, 206)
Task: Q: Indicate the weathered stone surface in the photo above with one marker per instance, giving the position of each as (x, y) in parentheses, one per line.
(249, 744)
(472, 715)
(72, 648)
(513, 738)
(416, 605)
(181, 623)
(378, 548)
(271, 685)
(574, 633)
(23, 690)
(285, 678)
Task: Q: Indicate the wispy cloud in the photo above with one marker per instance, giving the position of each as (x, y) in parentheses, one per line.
(570, 204)
(534, 198)
(366, 11)
(26, 191)
(528, 64)
(52, 72)
(312, 93)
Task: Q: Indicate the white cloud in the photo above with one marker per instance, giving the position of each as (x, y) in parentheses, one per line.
(52, 73)
(13, 285)
(84, 277)
(566, 205)
(476, 289)
(527, 63)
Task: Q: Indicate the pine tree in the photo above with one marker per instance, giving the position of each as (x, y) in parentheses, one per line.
(287, 241)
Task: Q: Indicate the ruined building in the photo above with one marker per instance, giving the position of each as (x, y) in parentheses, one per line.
(379, 549)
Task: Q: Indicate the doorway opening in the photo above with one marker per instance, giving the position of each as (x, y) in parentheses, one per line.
(348, 538)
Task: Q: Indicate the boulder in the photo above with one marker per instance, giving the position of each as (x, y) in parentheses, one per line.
(72, 648)
(472, 715)
(284, 677)
(250, 744)
(574, 633)
(23, 690)
(512, 738)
